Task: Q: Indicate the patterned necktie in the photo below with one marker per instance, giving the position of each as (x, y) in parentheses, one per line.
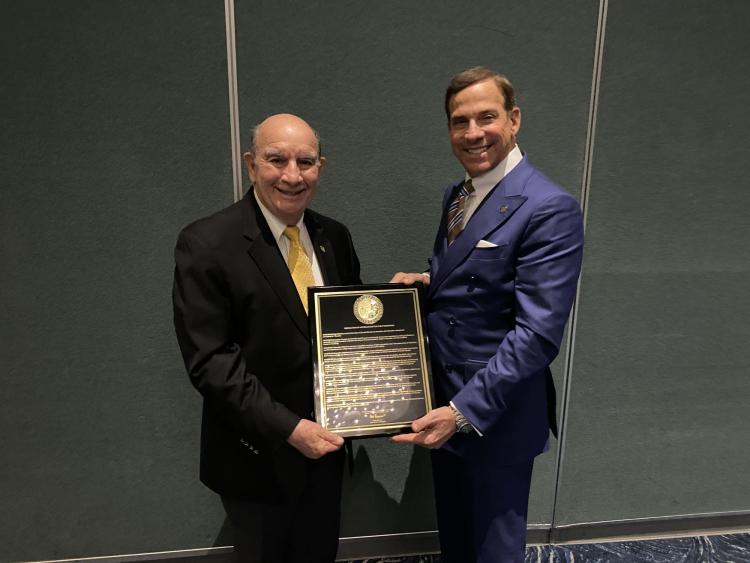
(456, 211)
(299, 264)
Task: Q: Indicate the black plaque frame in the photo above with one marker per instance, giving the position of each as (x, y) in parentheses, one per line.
(398, 394)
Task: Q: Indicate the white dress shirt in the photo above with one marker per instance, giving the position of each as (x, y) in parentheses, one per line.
(277, 230)
(484, 183)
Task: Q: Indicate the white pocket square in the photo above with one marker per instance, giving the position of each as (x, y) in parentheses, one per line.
(486, 244)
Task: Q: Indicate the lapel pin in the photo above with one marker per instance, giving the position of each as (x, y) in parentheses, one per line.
(322, 248)
(504, 209)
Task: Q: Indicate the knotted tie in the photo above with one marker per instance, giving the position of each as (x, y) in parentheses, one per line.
(299, 264)
(456, 211)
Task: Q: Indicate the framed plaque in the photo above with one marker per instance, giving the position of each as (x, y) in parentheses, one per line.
(370, 358)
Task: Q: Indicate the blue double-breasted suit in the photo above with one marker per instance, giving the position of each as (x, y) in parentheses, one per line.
(497, 303)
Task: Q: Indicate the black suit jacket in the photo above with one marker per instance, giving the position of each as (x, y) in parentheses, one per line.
(244, 338)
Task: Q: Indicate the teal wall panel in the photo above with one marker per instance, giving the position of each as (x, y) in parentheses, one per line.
(658, 421)
(115, 134)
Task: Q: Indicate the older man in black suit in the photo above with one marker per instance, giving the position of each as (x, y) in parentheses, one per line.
(240, 304)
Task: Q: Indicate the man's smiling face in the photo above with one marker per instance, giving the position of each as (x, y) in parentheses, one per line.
(285, 166)
(482, 131)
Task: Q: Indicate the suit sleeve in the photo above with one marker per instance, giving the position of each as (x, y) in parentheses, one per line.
(213, 358)
(547, 268)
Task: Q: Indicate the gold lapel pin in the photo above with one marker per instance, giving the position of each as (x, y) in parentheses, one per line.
(504, 209)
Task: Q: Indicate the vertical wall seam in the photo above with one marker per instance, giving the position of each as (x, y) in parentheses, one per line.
(585, 190)
(234, 114)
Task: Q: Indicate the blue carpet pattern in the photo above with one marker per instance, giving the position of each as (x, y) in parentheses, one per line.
(730, 548)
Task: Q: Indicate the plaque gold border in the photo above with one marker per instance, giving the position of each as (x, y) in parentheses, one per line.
(315, 296)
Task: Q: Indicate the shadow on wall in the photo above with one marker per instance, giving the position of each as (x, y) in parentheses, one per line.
(374, 503)
(380, 500)
(225, 535)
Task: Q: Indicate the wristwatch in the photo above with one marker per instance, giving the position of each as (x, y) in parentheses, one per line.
(462, 425)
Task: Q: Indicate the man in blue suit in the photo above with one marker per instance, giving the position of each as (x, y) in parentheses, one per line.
(502, 281)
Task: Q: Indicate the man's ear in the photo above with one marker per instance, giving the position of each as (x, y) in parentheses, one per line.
(515, 119)
(249, 158)
(322, 161)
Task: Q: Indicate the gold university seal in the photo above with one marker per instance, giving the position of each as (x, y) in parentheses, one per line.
(368, 309)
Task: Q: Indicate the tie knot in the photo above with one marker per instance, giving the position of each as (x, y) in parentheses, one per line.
(468, 187)
(292, 233)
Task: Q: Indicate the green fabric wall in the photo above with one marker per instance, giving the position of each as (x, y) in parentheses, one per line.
(117, 133)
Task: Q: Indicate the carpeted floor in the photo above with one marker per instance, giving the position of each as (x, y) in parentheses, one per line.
(730, 548)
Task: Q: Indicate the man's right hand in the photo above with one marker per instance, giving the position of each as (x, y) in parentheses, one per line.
(314, 441)
(410, 279)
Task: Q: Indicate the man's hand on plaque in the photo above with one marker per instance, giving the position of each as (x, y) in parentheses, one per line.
(410, 279)
(314, 441)
(432, 430)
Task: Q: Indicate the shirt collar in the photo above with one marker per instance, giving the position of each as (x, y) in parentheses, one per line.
(274, 223)
(485, 182)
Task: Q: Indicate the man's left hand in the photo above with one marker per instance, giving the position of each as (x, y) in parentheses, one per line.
(432, 430)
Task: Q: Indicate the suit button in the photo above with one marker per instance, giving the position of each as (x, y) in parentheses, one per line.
(452, 321)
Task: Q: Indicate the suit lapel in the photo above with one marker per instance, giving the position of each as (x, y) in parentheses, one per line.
(441, 242)
(264, 251)
(499, 205)
(323, 251)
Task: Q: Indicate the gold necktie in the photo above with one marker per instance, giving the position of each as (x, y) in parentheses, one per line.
(456, 211)
(299, 264)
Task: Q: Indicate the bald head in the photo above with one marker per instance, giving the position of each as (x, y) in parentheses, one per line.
(282, 125)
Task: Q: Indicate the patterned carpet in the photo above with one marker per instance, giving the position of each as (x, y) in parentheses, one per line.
(731, 548)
